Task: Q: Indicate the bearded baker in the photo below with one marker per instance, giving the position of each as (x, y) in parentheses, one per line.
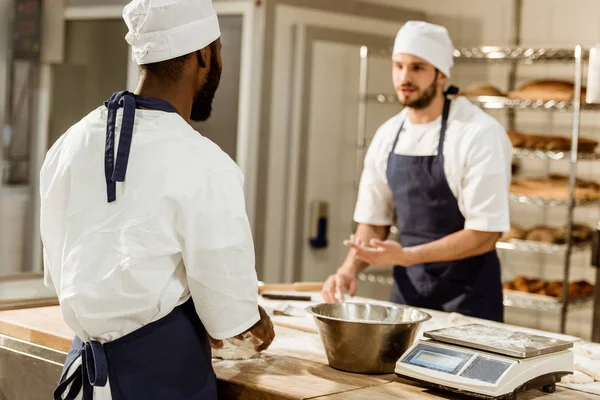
(440, 170)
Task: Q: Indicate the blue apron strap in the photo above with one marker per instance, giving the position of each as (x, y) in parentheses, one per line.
(452, 91)
(92, 373)
(397, 137)
(115, 170)
(109, 148)
(125, 138)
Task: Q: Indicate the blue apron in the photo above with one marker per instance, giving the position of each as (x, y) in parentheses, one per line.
(166, 359)
(426, 211)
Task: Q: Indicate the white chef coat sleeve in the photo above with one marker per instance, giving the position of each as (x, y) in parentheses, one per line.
(486, 180)
(218, 253)
(374, 203)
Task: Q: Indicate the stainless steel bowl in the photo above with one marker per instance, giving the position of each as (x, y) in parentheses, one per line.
(366, 338)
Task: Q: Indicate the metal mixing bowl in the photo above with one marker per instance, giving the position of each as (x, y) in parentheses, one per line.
(366, 338)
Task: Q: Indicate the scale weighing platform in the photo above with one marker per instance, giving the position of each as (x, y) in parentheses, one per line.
(486, 362)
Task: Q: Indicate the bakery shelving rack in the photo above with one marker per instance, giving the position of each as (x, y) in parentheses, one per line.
(513, 56)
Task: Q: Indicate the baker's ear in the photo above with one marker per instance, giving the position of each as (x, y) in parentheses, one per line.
(441, 79)
(204, 57)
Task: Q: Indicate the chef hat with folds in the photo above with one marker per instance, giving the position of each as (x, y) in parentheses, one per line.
(428, 41)
(161, 30)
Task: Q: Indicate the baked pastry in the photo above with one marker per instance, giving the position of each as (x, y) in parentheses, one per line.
(549, 142)
(516, 138)
(585, 288)
(482, 89)
(545, 90)
(521, 283)
(542, 234)
(516, 232)
(579, 232)
(536, 285)
(555, 187)
(575, 290)
(586, 145)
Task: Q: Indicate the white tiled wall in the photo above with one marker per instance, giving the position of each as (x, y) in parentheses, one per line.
(546, 23)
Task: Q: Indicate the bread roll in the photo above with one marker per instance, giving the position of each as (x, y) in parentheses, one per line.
(579, 232)
(545, 90)
(516, 232)
(482, 89)
(516, 138)
(555, 187)
(521, 284)
(542, 234)
(536, 285)
(549, 142)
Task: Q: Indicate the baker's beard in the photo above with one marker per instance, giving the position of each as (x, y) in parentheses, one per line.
(202, 107)
(425, 99)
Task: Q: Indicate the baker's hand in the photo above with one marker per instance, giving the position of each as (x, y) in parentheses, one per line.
(381, 252)
(337, 284)
(263, 330)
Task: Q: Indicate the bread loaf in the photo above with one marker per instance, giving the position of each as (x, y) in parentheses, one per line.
(482, 89)
(556, 187)
(549, 142)
(578, 289)
(516, 232)
(542, 234)
(545, 90)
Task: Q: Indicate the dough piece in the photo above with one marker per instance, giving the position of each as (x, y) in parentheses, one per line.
(545, 90)
(578, 378)
(582, 352)
(236, 349)
(482, 89)
(589, 367)
(457, 319)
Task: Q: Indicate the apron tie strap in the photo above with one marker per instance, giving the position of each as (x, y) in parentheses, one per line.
(93, 372)
(115, 170)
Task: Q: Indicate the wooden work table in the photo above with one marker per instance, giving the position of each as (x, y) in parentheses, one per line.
(293, 368)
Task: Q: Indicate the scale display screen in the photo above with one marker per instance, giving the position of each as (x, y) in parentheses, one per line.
(439, 361)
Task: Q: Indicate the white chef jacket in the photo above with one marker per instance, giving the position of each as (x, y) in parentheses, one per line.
(178, 228)
(477, 165)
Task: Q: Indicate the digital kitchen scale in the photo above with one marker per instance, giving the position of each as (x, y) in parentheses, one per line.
(486, 362)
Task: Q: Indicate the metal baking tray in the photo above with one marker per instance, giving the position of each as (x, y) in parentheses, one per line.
(499, 341)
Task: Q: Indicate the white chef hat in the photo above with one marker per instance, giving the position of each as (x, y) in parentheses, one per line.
(428, 41)
(161, 30)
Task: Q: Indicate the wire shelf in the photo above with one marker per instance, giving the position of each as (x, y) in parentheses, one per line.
(526, 55)
(531, 154)
(522, 199)
(539, 247)
(531, 301)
